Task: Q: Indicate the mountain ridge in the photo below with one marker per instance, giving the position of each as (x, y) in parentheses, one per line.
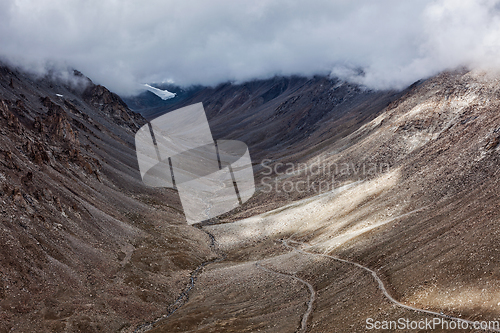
(77, 223)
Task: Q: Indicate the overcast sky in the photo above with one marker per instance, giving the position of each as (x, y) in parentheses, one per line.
(123, 43)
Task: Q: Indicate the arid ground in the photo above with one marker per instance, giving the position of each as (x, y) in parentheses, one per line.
(369, 204)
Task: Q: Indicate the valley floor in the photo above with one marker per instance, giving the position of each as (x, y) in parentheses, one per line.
(270, 281)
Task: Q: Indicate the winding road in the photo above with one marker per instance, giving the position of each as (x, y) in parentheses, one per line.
(184, 296)
(471, 324)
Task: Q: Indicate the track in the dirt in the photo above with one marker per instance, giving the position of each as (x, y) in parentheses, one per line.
(381, 285)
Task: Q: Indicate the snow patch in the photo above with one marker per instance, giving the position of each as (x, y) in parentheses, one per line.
(163, 94)
(59, 95)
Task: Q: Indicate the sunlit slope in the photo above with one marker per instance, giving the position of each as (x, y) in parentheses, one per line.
(428, 223)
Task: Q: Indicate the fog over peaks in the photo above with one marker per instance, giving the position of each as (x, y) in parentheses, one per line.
(125, 44)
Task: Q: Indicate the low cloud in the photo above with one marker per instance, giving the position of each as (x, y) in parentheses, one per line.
(124, 44)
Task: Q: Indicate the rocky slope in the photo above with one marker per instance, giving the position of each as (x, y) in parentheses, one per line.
(425, 220)
(282, 120)
(84, 246)
(87, 248)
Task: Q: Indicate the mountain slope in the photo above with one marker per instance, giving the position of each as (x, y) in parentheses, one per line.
(282, 120)
(426, 223)
(85, 247)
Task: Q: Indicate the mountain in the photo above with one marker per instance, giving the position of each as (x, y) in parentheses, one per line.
(369, 205)
(85, 247)
(414, 207)
(280, 119)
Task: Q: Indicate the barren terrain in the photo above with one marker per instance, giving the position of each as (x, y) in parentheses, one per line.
(427, 226)
(407, 226)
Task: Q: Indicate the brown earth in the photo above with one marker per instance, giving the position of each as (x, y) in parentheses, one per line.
(427, 223)
(86, 247)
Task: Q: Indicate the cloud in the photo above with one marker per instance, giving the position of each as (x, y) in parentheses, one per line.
(124, 44)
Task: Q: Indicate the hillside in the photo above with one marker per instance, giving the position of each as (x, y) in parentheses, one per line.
(282, 120)
(351, 184)
(85, 247)
(425, 223)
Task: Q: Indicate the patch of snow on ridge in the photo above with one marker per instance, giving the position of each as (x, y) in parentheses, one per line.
(163, 94)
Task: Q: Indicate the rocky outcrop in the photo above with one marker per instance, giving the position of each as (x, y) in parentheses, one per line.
(112, 105)
(56, 124)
